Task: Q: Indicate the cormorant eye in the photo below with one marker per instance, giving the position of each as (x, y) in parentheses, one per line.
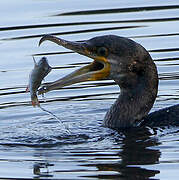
(102, 51)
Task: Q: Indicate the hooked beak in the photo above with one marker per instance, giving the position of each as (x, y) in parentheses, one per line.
(98, 69)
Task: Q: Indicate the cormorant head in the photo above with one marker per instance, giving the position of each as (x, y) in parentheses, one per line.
(114, 57)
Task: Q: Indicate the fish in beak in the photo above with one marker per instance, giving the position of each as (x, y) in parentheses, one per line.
(98, 69)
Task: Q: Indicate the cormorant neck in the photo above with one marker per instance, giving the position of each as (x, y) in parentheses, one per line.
(136, 98)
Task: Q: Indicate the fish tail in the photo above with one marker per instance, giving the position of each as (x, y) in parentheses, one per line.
(35, 101)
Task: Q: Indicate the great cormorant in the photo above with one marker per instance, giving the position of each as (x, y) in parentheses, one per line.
(130, 65)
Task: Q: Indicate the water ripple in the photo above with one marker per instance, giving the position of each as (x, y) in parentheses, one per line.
(119, 10)
(73, 32)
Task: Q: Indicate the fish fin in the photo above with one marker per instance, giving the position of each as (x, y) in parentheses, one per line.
(35, 63)
(27, 89)
(35, 102)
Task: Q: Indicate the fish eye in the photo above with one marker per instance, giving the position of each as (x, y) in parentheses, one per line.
(102, 51)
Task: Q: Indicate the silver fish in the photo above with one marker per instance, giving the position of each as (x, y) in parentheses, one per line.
(41, 69)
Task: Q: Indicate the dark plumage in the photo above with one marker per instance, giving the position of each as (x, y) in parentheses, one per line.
(132, 68)
(164, 117)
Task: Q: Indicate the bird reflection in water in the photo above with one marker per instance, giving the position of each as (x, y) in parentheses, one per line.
(135, 152)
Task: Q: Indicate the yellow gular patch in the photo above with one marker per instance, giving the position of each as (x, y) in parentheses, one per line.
(104, 72)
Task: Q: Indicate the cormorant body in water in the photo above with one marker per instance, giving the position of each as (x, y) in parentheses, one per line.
(131, 67)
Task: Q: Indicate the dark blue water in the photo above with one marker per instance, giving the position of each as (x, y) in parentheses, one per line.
(33, 144)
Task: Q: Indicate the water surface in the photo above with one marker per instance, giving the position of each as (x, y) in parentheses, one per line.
(32, 143)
